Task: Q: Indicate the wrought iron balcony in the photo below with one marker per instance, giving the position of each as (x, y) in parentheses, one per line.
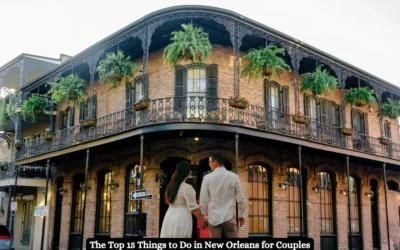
(207, 110)
(8, 170)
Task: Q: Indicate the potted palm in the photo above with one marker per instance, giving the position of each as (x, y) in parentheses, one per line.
(48, 135)
(391, 108)
(360, 96)
(115, 68)
(238, 102)
(141, 104)
(266, 61)
(318, 82)
(34, 106)
(191, 44)
(68, 88)
(88, 122)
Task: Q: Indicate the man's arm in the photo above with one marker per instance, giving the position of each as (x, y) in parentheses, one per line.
(204, 197)
(240, 200)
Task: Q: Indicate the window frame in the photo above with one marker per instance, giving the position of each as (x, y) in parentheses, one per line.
(332, 196)
(101, 178)
(302, 203)
(76, 182)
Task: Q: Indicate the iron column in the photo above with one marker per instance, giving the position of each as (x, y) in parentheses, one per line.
(386, 206)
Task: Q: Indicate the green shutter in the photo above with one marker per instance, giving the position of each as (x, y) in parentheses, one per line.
(71, 117)
(212, 88)
(94, 107)
(366, 129)
(285, 100)
(81, 111)
(180, 88)
(61, 120)
(267, 94)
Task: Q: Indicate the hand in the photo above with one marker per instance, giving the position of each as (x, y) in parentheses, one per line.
(241, 222)
(204, 224)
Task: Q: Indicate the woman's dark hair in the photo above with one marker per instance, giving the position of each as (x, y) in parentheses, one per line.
(181, 172)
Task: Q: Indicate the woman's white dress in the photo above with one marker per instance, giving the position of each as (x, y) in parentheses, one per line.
(178, 219)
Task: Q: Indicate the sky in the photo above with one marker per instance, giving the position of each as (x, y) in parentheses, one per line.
(364, 33)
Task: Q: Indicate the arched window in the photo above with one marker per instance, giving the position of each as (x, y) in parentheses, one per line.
(104, 206)
(260, 200)
(392, 185)
(294, 211)
(326, 203)
(78, 200)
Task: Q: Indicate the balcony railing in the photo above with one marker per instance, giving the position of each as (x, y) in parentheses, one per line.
(207, 110)
(8, 170)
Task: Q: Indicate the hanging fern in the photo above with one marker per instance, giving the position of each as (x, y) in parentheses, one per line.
(319, 81)
(68, 88)
(115, 69)
(3, 114)
(8, 106)
(391, 108)
(34, 106)
(266, 61)
(192, 43)
(360, 96)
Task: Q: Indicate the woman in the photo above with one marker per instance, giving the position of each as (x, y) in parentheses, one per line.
(181, 199)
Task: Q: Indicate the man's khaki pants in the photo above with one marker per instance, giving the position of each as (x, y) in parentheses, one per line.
(229, 227)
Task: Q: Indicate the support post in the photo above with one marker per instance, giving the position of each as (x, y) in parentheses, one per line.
(301, 192)
(45, 201)
(84, 200)
(10, 190)
(348, 200)
(15, 193)
(141, 169)
(386, 206)
(237, 172)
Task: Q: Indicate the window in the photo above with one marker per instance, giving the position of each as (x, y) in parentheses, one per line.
(66, 118)
(134, 184)
(326, 203)
(386, 130)
(259, 205)
(354, 205)
(330, 114)
(196, 91)
(78, 199)
(310, 107)
(276, 100)
(359, 121)
(103, 218)
(294, 211)
(392, 185)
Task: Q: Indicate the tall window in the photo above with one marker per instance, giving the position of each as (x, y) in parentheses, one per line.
(276, 100)
(294, 211)
(103, 218)
(358, 121)
(196, 90)
(132, 185)
(260, 206)
(354, 205)
(386, 130)
(326, 205)
(78, 198)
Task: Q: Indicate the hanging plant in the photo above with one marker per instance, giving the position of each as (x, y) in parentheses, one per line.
(360, 96)
(34, 106)
(68, 88)
(319, 81)
(8, 106)
(391, 108)
(115, 69)
(191, 44)
(267, 61)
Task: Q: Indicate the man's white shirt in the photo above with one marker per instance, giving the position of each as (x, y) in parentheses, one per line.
(218, 192)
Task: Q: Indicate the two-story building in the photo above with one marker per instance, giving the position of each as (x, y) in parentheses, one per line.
(301, 172)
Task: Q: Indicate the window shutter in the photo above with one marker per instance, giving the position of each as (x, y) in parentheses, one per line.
(81, 111)
(71, 117)
(323, 111)
(337, 115)
(267, 91)
(61, 120)
(285, 100)
(366, 129)
(94, 107)
(212, 87)
(128, 97)
(306, 105)
(180, 88)
(353, 120)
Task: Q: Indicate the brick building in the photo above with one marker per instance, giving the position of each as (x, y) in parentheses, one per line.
(298, 179)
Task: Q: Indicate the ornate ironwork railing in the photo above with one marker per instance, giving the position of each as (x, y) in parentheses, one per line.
(207, 110)
(8, 170)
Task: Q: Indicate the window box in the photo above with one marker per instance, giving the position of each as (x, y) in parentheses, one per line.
(141, 105)
(300, 119)
(88, 123)
(384, 141)
(48, 137)
(238, 103)
(346, 131)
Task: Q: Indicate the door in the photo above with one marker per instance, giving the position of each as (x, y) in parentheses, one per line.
(57, 217)
(26, 223)
(374, 215)
(78, 198)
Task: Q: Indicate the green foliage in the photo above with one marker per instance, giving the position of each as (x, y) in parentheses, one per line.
(33, 106)
(261, 60)
(360, 96)
(115, 68)
(8, 106)
(391, 108)
(67, 88)
(191, 42)
(319, 81)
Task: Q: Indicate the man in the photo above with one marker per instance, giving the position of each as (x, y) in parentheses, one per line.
(218, 191)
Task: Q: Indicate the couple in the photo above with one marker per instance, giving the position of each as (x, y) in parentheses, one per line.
(218, 191)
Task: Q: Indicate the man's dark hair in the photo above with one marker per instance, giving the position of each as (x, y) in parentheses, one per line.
(219, 158)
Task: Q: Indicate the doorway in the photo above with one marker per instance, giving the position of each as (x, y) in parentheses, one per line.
(374, 215)
(57, 215)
